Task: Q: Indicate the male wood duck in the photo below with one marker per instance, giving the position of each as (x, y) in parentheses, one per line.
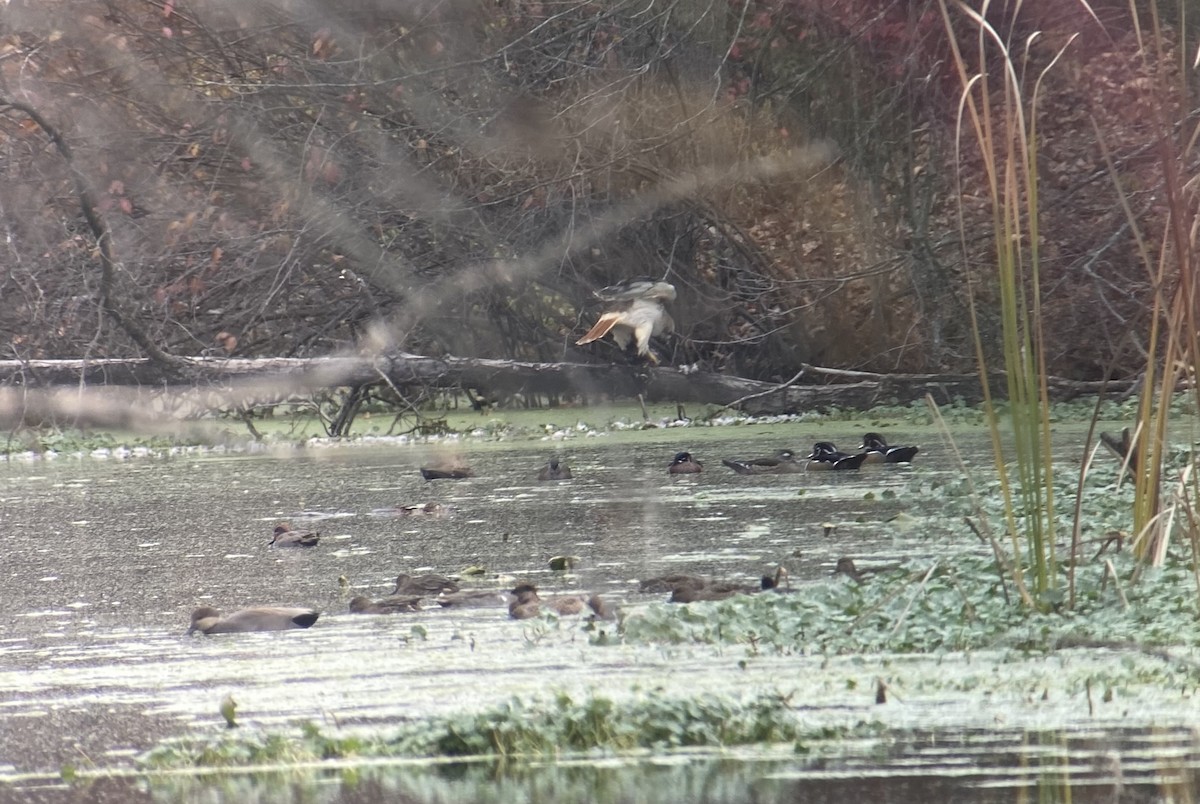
(428, 585)
(685, 464)
(878, 450)
(771, 583)
(388, 605)
(445, 472)
(826, 456)
(782, 462)
(555, 471)
(208, 620)
(286, 537)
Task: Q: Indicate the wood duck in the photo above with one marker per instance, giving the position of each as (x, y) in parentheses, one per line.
(826, 456)
(208, 620)
(782, 462)
(878, 450)
(286, 537)
(445, 472)
(388, 605)
(426, 585)
(555, 471)
(528, 604)
(770, 583)
(685, 464)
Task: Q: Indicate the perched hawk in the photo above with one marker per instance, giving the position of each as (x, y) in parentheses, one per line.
(635, 311)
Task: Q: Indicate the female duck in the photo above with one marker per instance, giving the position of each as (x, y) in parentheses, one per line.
(685, 464)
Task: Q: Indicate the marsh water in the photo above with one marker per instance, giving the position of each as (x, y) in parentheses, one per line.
(105, 558)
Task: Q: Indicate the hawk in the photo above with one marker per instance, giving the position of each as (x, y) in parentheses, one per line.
(635, 311)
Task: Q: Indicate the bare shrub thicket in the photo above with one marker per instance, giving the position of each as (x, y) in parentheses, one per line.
(454, 178)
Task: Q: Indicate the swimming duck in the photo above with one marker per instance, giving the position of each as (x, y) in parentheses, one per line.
(208, 620)
(782, 462)
(286, 537)
(685, 464)
(428, 585)
(528, 604)
(845, 566)
(878, 450)
(770, 583)
(388, 605)
(475, 598)
(445, 472)
(555, 471)
(826, 456)
(429, 509)
(709, 590)
(665, 583)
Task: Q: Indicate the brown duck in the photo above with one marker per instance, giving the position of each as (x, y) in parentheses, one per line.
(388, 605)
(286, 537)
(528, 604)
(208, 620)
(554, 470)
(427, 585)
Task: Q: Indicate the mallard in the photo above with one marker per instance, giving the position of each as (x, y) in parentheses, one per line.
(388, 605)
(684, 464)
(286, 537)
(429, 509)
(555, 471)
(878, 450)
(782, 462)
(208, 620)
(826, 456)
(426, 585)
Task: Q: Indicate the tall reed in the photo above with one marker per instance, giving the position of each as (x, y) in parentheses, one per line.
(1001, 121)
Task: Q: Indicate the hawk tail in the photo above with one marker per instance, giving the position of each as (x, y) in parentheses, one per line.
(600, 329)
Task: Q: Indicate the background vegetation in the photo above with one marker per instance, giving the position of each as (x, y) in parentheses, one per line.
(284, 178)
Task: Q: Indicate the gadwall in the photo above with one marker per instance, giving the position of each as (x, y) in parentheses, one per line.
(388, 605)
(208, 620)
(286, 537)
(426, 585)
(474, 598)
(878, 450)
(782, 462)
(555, 471)
(685, 464)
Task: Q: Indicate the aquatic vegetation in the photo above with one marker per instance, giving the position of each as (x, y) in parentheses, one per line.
(519, 729)
(958, 604)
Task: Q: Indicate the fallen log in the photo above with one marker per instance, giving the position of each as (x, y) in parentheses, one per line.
(34, 389)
